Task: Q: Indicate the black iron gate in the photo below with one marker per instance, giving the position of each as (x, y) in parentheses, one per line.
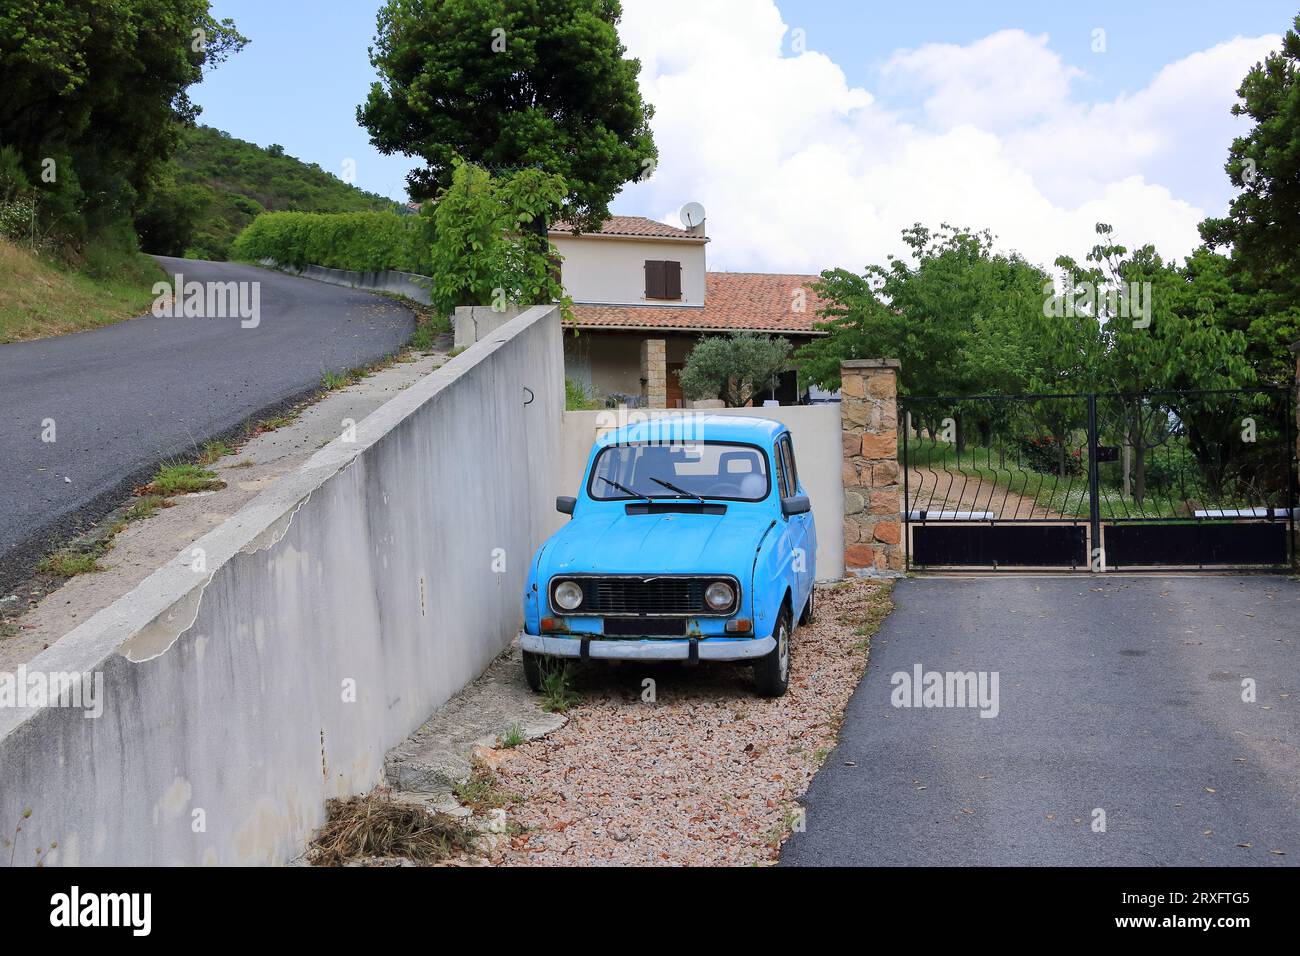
(1180, 479)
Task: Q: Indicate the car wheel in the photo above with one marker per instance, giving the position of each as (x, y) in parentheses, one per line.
(772, 672)
(533, 665)
(807, 616)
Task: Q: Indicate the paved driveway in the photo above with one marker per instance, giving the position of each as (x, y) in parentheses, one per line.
(1119, 694)
(127, 396)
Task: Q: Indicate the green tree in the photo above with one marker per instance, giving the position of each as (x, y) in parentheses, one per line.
(936, 310)
(961, 318)
(485, 252)
(93, 91)
(508, 85)
(1157, 333)
(1263, 222)
(733, 367)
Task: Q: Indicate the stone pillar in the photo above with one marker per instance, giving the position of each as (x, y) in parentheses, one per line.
(873, 529)
(654, 373)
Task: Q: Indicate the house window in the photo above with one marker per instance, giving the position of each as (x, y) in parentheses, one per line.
(663, 280)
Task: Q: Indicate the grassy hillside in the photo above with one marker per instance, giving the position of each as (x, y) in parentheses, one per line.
(38, 299)
(221, 183)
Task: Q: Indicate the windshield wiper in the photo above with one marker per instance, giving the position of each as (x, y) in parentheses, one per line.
(624, 488)
(681, 491)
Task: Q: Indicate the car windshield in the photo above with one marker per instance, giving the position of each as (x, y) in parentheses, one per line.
(704, 469)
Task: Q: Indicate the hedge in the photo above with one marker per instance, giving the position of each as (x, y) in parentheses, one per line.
(361, 241)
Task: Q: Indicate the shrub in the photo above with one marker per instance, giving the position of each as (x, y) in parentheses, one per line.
(576, 397)
(487, 249)
(1044, 454)
(358, 241)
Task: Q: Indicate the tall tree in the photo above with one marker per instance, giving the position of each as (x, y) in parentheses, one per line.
(1263, 222)
(1158, 333)
(93, 90)
(938, 310)
(510, 85)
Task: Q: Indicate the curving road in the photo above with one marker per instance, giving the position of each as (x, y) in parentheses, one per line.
(125, 397)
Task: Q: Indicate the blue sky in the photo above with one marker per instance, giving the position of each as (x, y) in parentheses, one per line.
(1142, 35)
(927, 100)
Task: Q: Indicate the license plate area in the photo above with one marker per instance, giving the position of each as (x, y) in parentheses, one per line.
(640, 626)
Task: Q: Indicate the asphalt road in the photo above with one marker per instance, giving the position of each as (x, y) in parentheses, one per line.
(1120, 694)
(127, 396)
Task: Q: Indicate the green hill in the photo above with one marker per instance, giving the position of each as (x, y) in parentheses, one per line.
(217, 185)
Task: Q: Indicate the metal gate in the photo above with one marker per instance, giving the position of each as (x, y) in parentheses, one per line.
(1179, 479)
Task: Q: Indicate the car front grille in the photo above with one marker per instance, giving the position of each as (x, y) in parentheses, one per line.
(650, 596)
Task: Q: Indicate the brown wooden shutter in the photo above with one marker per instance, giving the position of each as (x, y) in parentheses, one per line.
(672, 280)
(656, 286)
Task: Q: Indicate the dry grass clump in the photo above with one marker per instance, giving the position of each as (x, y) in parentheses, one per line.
(362, 828)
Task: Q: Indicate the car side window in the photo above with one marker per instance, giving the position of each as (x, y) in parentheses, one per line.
(782, 482)
(791, 472)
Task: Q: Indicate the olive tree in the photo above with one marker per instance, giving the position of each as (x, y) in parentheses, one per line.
(733, 367)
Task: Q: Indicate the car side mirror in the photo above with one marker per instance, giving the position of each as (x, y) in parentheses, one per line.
(564, 504)
(795, 505)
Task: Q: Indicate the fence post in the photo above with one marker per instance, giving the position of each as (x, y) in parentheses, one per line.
(1293, 495)
(1094, 486)
(873, 530)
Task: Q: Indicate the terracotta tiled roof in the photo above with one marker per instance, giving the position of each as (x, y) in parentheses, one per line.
(632, 226)
(733, 301)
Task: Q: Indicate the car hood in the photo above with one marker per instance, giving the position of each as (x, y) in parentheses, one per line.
(612, 542)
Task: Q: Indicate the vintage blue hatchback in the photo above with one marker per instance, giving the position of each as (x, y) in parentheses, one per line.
(691, 539)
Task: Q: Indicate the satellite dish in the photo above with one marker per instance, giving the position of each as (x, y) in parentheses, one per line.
(691, 215)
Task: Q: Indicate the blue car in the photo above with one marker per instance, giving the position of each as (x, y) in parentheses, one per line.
(691, 539)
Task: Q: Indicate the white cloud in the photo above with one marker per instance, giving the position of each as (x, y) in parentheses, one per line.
(1002, 80)
(799, 171)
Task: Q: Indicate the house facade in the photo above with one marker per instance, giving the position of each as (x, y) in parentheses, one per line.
(643, 297)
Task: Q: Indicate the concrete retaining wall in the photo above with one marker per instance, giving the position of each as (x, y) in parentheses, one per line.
(818, 452)
(409, 284)
(271, 666)
(473, 322)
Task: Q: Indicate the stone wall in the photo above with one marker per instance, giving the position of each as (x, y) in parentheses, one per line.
(873, 529)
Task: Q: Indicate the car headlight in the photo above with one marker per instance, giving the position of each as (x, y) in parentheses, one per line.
(567, 595)
(719, 596)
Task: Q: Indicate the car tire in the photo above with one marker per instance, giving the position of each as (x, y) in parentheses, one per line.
(534, 664)
(807, 616)
(772, 671)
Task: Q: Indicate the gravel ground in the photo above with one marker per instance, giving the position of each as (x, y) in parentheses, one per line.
(708, 774)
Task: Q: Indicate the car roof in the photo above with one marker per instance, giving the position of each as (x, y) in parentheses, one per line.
(695, 428)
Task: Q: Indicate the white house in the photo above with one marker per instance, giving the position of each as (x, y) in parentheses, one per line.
(643, 296)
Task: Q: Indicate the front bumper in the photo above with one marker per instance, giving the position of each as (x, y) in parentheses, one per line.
(658, 649)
